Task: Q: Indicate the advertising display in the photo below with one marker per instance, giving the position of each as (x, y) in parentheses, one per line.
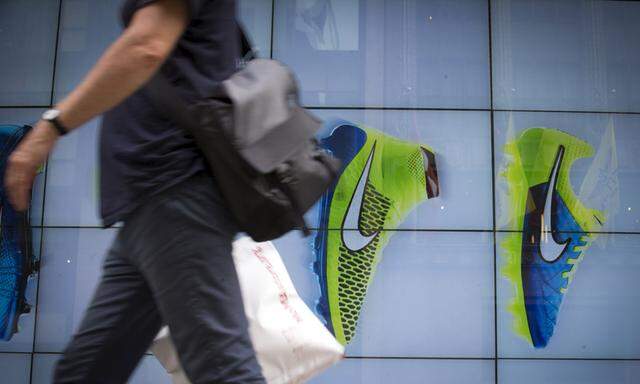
(485, 223)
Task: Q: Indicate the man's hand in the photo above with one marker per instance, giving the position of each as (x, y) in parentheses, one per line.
(24, 162)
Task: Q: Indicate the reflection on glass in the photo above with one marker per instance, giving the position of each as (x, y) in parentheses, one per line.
(430, 53)
(329, 25)
(71, 265)
(149, 371)
(378, 371)
(580, 55)
(562, 372)
(72, 180)
(15, 367)
(86, 30)
(255, 16)
(27, 39)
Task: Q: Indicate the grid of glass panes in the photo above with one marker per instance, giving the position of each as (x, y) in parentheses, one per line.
(462, 76)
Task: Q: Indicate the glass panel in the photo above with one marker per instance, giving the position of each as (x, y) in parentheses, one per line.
(86, 30)
(372, 371)
(598, 298)
(71, 266)
(569, 372)
(461, 142)
(72, 180)
(22, 341)
(432, 293)
(604, 180)
(20, 116)
(431, 53)
(148, 372)
(15, 368)
(28, 39)
(566, 55)
(297, 254)
(43, 366)
(28, 116)
(256, 18)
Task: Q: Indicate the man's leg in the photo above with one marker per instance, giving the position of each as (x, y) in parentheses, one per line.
(117, 328)
(182, 245)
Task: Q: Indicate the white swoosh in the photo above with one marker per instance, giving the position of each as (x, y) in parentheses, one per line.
(355, 240)
(550, 249)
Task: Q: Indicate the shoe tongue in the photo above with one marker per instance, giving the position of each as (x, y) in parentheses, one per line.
(430, 173)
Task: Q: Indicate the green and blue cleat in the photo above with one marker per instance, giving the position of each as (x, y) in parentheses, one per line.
(381, 181)
(555, 228)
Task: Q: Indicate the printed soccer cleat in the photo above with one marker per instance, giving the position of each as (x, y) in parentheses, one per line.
(16, 262)
(556, 227)
(382, 179)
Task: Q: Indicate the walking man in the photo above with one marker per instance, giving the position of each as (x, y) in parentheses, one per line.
(171, 262)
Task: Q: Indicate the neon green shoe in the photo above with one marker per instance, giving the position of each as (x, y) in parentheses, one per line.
(382, 180)
(555, 228)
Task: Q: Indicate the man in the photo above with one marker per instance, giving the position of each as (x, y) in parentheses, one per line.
(171, 262)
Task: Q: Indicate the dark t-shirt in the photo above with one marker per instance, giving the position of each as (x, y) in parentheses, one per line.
(142, 153)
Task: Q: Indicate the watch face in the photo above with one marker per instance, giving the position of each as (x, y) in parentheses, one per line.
(50, 114)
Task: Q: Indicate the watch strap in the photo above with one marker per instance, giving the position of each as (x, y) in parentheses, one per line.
(62, 130)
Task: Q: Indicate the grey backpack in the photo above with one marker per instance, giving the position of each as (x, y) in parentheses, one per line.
(259, 144)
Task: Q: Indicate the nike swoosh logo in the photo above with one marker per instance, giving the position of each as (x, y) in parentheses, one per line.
(356, 240)
(550, 249)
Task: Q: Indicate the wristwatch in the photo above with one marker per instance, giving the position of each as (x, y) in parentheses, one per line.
(51, 116)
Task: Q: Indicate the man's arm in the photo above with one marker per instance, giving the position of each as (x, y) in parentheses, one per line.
(125, 66)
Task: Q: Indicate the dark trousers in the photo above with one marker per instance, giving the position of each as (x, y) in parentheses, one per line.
(171, 263)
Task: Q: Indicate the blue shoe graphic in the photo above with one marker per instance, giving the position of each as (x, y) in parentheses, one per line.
(16, 262)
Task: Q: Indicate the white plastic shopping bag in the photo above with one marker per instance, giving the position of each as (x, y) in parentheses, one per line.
(291, 344)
